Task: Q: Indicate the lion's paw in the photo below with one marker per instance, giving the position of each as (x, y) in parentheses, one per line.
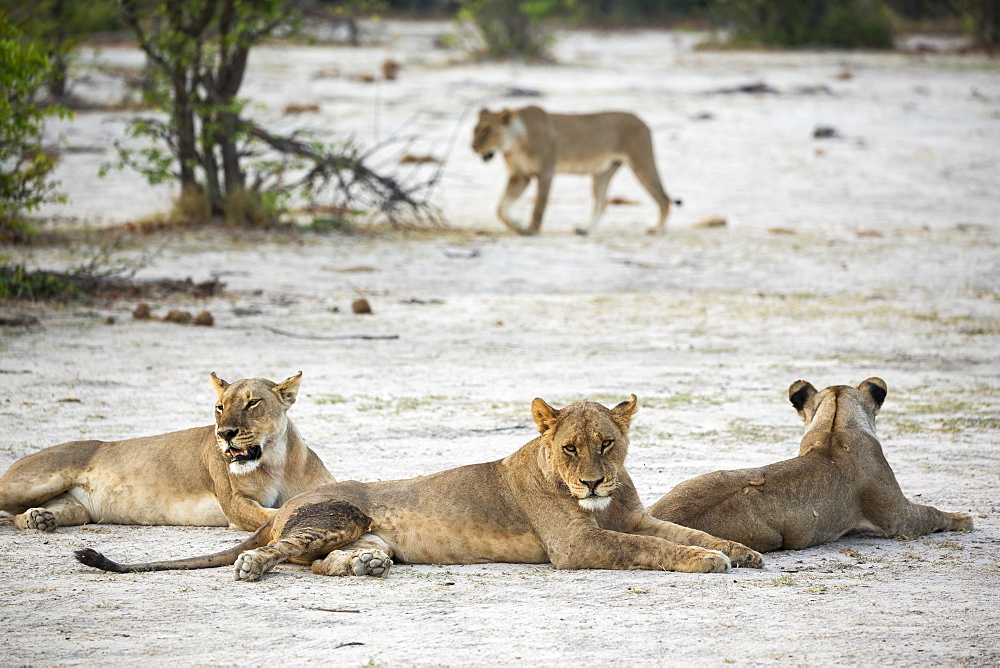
(36, 519)
(708, 561)
(742, 556)
(250, 566)
(962, 521)
(375, 563)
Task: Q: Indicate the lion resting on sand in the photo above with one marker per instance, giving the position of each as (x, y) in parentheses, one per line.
(234, 473)
(537, 144)
(839, 484)
(565, 497)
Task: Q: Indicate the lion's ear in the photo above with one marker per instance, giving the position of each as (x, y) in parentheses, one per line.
(876, 389)
(545, 416)
(484, 113)
(801, 393)
(505, 115)
(623, 412)
(218, 384)
(288, 389)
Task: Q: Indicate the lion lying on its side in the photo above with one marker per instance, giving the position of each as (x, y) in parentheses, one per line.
(839, 484)
(233, 473)
(565, 497)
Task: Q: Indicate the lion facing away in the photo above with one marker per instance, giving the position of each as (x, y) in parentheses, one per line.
(536, 144)
(565, 497)
(840, 483)
(234, 473)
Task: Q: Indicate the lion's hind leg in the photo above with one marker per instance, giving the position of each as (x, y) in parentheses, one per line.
(308, 533)
(62, 511)
(369, 555)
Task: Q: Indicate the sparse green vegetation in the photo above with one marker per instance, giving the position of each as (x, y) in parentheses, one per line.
(745, 431)
(790, 23)
(25, 166)
(329, 399)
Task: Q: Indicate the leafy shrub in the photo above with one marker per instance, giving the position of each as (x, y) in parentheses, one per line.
(513, 27)
(790, 23)
(17, 282)
(25, 168)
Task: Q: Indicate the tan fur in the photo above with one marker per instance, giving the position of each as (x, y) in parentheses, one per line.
(565, 497)
(181, 478)
(839, 484)
(537, 144)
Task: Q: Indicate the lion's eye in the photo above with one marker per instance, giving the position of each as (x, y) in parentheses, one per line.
(606, 445)
(569, 449)
(252, 403)
(218, 409)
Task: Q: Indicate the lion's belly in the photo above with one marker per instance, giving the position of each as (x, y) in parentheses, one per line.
(584, 165)
(124, 505)
(418, 540)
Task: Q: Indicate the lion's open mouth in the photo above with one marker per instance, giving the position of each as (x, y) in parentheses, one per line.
(487, 156)
(249, 455)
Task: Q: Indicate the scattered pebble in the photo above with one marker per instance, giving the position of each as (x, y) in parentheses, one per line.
(712, 221)
(180, 317)
(826, 132)
(204, 319)
(390, 68)
(361, 305)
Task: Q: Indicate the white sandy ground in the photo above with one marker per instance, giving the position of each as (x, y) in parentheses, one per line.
(707, 326)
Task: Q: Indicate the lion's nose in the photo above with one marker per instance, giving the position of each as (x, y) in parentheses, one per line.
(592, 484)
(227, 435)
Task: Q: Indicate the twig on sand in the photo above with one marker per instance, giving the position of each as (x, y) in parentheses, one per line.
(511, 428)
(339, 610)
(344, 337)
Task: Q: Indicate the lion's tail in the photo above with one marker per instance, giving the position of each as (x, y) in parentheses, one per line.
(95, 559)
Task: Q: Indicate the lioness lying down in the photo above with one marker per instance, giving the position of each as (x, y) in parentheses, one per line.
(233, 473)
(839, 484)
(536, 144)
(565, 497)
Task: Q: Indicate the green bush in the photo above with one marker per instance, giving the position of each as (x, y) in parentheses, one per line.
(513, 27)
(17, 282)
(25, 168)
(982, 20)
(791, 23)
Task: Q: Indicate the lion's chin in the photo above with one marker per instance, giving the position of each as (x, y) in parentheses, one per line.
(595, 503)
(244, 467)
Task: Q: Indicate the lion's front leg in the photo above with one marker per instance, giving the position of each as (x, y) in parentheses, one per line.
(914, 519)
(250, 518)
(541, 200)
(243, 512)
(516, 185)
(593, 547)
(740, 554)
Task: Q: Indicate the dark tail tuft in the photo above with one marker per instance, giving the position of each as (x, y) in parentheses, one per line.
(95, 559)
